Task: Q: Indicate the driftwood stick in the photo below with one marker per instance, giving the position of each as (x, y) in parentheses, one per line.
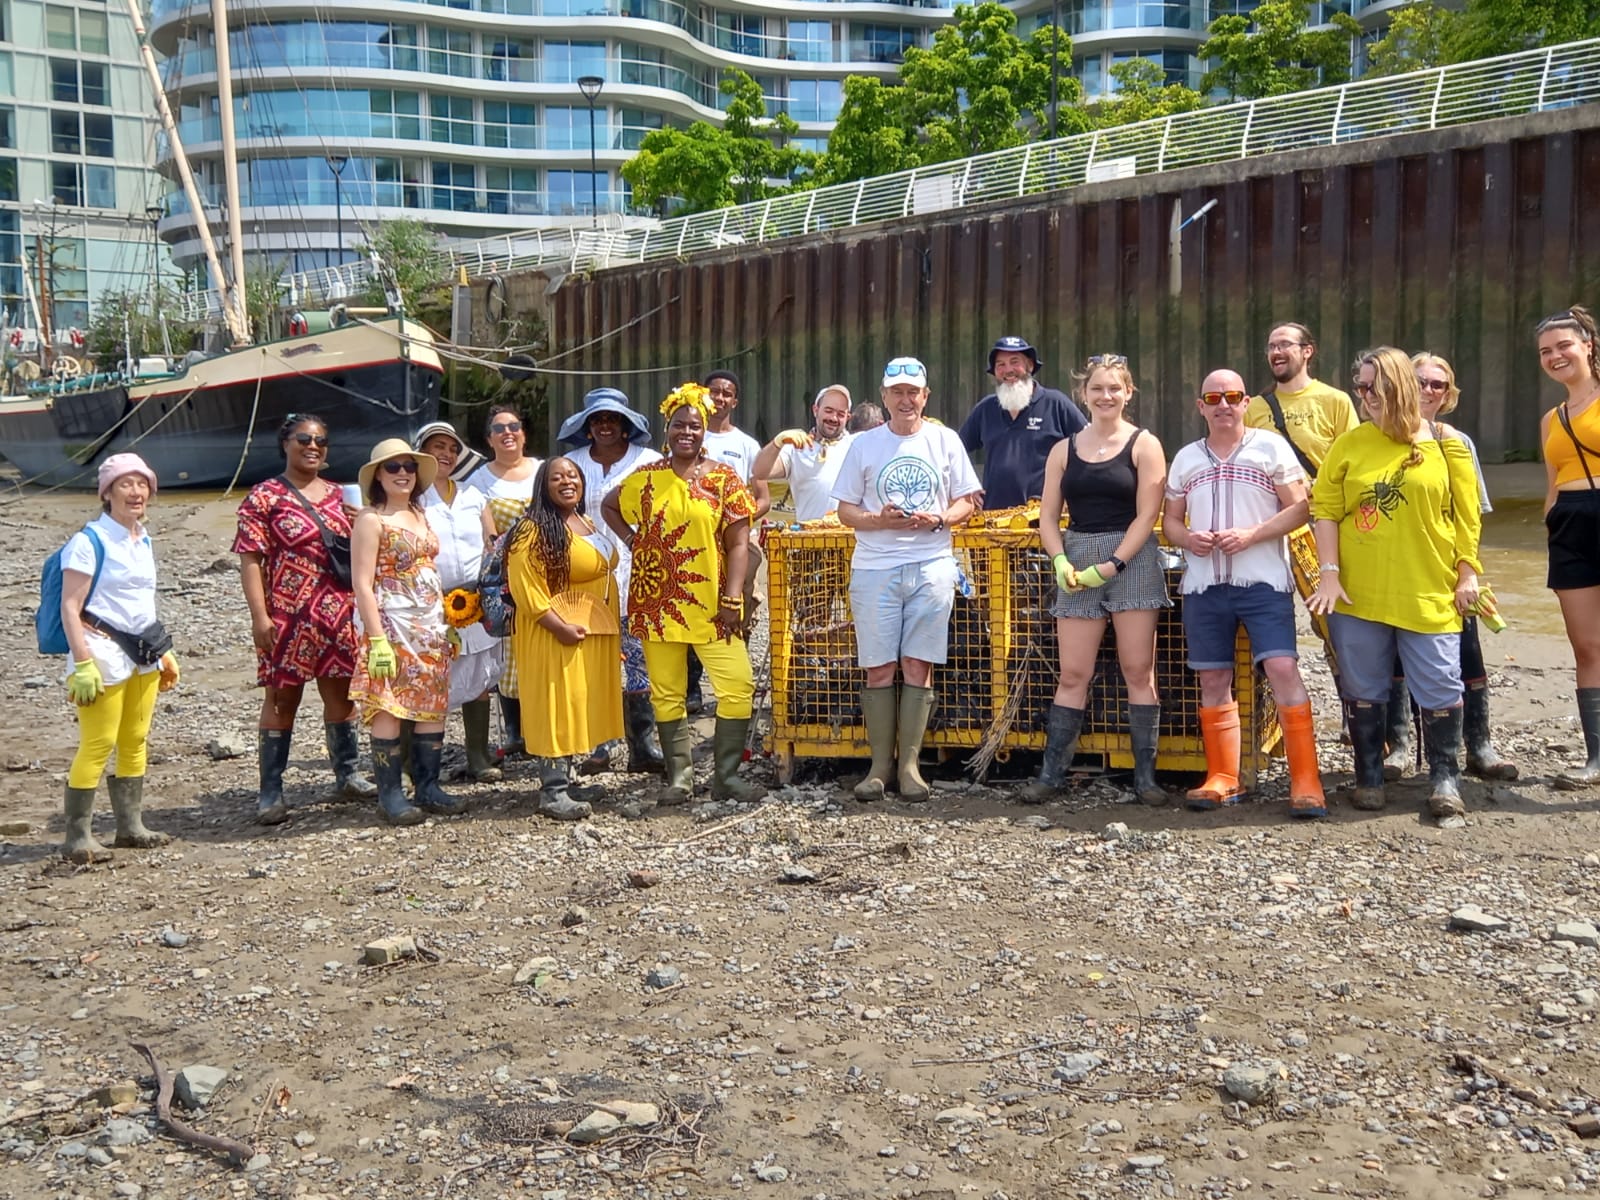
(45, 1110)
(237, 1152)
(1471, 1064)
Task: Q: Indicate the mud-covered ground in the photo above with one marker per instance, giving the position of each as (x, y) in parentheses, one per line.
(819, 999)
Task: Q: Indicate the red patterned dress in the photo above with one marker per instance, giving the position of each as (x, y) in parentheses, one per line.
(310, 610)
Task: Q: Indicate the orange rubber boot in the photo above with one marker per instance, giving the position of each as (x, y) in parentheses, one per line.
(1220, 728)
(1300, 745)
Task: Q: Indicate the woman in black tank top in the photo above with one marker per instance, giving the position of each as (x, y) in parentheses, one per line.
(1109, 479)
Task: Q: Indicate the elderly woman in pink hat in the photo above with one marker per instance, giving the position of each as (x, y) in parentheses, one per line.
(120, 657)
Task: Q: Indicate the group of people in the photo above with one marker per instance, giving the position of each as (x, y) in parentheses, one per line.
(630, 572)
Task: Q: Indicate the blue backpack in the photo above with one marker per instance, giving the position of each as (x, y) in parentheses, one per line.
(47, 625)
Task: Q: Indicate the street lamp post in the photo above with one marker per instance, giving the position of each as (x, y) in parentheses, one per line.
(336, 164)
(590, 86)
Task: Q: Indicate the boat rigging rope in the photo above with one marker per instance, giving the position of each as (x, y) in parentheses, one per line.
(249, 436)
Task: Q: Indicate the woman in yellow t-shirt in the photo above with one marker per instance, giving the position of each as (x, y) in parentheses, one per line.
(1395, 511)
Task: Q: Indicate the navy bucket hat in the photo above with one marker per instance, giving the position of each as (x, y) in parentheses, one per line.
(1014, 345)
(574, 431)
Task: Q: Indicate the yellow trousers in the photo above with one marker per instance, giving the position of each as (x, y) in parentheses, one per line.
(119, 719)
(728, 664)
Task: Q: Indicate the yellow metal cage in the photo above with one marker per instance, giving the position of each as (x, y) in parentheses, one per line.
(1000, 677)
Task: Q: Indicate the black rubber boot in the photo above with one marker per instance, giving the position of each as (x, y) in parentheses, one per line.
(426, 751)
(555, 799)
(1483, 760)
(1144, 731)
(1400, 753)
(344, 749)
(480, 761)
(272, 748)
(80, 846)
(392, 802)
(1442, 740)
(644, 746)
(511, 714)
(1062, 727)
(694, 700)
(1589, 717)
(727, 753)
(598, 760)
(127, 802)
(1367, 724)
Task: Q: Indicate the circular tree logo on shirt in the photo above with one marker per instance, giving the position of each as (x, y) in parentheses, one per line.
(909, 484)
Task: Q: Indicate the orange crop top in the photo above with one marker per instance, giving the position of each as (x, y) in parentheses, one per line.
(1561, 454)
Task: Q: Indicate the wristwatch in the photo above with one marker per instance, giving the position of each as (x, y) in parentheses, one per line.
(1117, 563)
(939, 523)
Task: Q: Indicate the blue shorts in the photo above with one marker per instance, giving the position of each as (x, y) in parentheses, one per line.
(1211, 620)
(903, 612)
(1367, 651)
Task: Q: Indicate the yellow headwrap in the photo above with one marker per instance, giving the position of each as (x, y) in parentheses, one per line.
(691, 394)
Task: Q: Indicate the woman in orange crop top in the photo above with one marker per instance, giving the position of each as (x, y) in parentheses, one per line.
(1569, 352)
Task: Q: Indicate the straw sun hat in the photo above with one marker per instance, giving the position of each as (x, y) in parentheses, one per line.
(427, 465)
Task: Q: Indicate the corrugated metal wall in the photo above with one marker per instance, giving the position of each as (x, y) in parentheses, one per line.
(1455, 242)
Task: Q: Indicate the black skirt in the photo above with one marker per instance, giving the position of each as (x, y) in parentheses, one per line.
(1573, 524)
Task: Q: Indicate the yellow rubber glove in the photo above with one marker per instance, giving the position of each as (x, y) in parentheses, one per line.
(381, 662)
(1487, 610)
(1066, 577)
(84, 685)
(453, 636)
(169, 672)
(798, 438)
(1091, 577)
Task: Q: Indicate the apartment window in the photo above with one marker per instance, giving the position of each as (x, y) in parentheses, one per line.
(636, 126)
(451, 120)
(511, 189)
(94, 83)
(8, 136)
(515, 59)
(64, 80)
(399, 182)
(66, 185)
(8, 85)
(94, 37)
(8, 181)
(396, 114)
(739, 33)
(570, 190)
(814, 99)
(100, 185)
(568, 128)
(509, 125)
(397, 48)
(60, 32)
(449, 51)
(810, 41)
(455, 186)
(98, 141)
(567, 62)
(5, 21)
(65, 136)
(885, 43)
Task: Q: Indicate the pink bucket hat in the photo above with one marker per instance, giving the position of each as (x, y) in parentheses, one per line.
(118, 465)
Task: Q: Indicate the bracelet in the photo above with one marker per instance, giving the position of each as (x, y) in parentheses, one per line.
(732, 601)
(1329, 568)
(939, 524)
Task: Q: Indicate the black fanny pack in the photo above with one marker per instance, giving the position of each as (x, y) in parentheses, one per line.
(145, 648)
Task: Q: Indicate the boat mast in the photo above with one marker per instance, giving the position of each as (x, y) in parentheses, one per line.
(233, 308)
(230, 159)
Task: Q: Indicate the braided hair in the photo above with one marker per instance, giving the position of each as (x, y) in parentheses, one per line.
(1580, 320)
(546, 526)
(292, 422)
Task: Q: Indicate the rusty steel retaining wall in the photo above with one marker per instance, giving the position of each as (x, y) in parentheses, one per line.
(1455, 242)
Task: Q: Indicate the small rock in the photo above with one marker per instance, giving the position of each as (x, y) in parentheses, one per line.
(99, 1156)
(594, 1127)
(1580, 933)
(662, 976)
(114, 1094)
(1586, 997)
(1114, 832)
(1586, 1126)
(1250, 1082)
(575, 915)
(305, 1138)
(125, 1188)
(911, 1170)
(635, 1114)
(196, 1084)
(770, 1172)
(15, 829)
(1472, 919)
(1146, 1162)
(970, 1115)
(1556, 1014)
(390, 949)
(172, 939)
(1033, 821)
(228, 745)
(887, 1152)
(78, 1014)
(534, 971)
(1075, 1068)
(795, 873)
(259, 1162)
(73, 1150)
(34, 682)
(124, 1133)
(643, 879)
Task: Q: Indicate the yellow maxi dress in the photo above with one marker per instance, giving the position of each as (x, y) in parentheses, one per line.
(570, 699)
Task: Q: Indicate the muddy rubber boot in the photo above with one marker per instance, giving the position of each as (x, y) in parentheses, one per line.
(344, 749)
(1061, 730)
(480, 760)
(1400, 754)
(127, 801)
(80, 846)
(694, 700)
(272, 749)
(597, 762)
(1589, 717)
(1483, 760)
(677, 745)
(392, 803)
(727, 753)
(1367, 724)
(644, 747)
(427, 749)
(555, 801)
(881, 717)
(1306, 798)
(1219, 729)
(511, 715)
(1442, 740)
(1144, 731)
(916, 705)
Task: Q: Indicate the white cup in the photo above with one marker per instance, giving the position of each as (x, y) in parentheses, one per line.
(351, 493)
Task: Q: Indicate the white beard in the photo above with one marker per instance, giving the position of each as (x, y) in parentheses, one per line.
(1014, 397)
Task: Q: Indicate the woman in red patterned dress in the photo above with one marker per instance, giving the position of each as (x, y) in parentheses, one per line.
(300, 613)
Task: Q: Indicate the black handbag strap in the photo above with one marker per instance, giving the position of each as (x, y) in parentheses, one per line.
(1583, 459)
(1271, 397)
(327, 534)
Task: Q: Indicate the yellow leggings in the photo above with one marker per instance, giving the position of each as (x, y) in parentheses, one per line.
(120, 718)
(728, 664)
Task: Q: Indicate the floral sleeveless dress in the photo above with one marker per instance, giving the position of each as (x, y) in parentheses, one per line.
(411, 603)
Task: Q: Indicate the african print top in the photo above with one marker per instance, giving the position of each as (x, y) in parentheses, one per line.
(1402, 529)
(310, 610)
(678, 565)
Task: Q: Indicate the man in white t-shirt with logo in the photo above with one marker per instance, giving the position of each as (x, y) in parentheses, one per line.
(901, 487)
(809, 461)
(1233, 498)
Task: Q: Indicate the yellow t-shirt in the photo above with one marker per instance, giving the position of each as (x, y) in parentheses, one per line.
(1402, 529)
(1314, 416)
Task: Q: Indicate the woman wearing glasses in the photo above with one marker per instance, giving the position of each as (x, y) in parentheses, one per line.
(1109, 478)
(1569, 352)
(507, 480)
(403, 675)
(1396, 518)
(299, 611)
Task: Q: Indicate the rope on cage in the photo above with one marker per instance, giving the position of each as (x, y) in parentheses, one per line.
(994, 737)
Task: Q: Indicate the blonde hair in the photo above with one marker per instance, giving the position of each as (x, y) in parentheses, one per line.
(1102, 362)
(1452, 394)
(1399, 399)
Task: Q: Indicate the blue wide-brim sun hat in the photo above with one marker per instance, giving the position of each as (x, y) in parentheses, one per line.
(573, 431)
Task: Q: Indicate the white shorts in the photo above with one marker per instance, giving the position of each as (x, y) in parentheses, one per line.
(903, 612)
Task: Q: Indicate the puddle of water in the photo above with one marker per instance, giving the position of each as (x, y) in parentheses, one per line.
(1515, 559)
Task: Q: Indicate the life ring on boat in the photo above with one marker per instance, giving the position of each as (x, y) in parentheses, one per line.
(75, 335)
(298, 325)
(16, 338)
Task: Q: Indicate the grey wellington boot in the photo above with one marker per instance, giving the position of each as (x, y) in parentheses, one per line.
(127, 802)
(344, 749)
(916, 706)
(677, 745)
(1062, 727)
(1483, 760)
(1442, 740)
(80, 846)
(1589, 716)
(1367, 726)
(1144, 731)
(554, 799)
(480, 759)
(272, 749)
(881, 717)
(727, 753)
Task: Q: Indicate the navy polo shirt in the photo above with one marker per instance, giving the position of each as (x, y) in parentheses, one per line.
(1014, 448)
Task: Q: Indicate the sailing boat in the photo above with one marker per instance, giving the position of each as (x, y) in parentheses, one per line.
(207, 422)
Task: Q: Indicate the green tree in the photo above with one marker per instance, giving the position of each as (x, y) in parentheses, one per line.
(124, 317)
(407, 251)
(1414, 41)
(870, 137)
(1271, 51)
(1142, 94)
(1489, 27)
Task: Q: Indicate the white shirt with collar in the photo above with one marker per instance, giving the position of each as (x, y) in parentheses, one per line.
(124, 596)
(459, 527)
(811, 472)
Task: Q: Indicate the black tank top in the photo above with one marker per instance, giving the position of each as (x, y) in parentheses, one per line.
(1101, 497)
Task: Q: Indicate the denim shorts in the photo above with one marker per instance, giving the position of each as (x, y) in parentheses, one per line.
(1211, 620)
(903, 612)
(1367, 650)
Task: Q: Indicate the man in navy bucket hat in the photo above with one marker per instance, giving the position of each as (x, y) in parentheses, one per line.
(1016, 425)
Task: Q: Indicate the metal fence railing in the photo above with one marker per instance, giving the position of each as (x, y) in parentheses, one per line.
(1530, 81)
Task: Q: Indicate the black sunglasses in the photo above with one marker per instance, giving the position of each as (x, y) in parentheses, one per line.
(306, 439)
(399, 466)
(506, 427)
(1106, 360)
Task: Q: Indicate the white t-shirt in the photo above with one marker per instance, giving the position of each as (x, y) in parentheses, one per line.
(923, 472)
(736, 448)
(811, 473)
(124, 596)
(1235, 493)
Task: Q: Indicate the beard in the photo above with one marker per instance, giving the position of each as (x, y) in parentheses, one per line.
(1014, 397)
